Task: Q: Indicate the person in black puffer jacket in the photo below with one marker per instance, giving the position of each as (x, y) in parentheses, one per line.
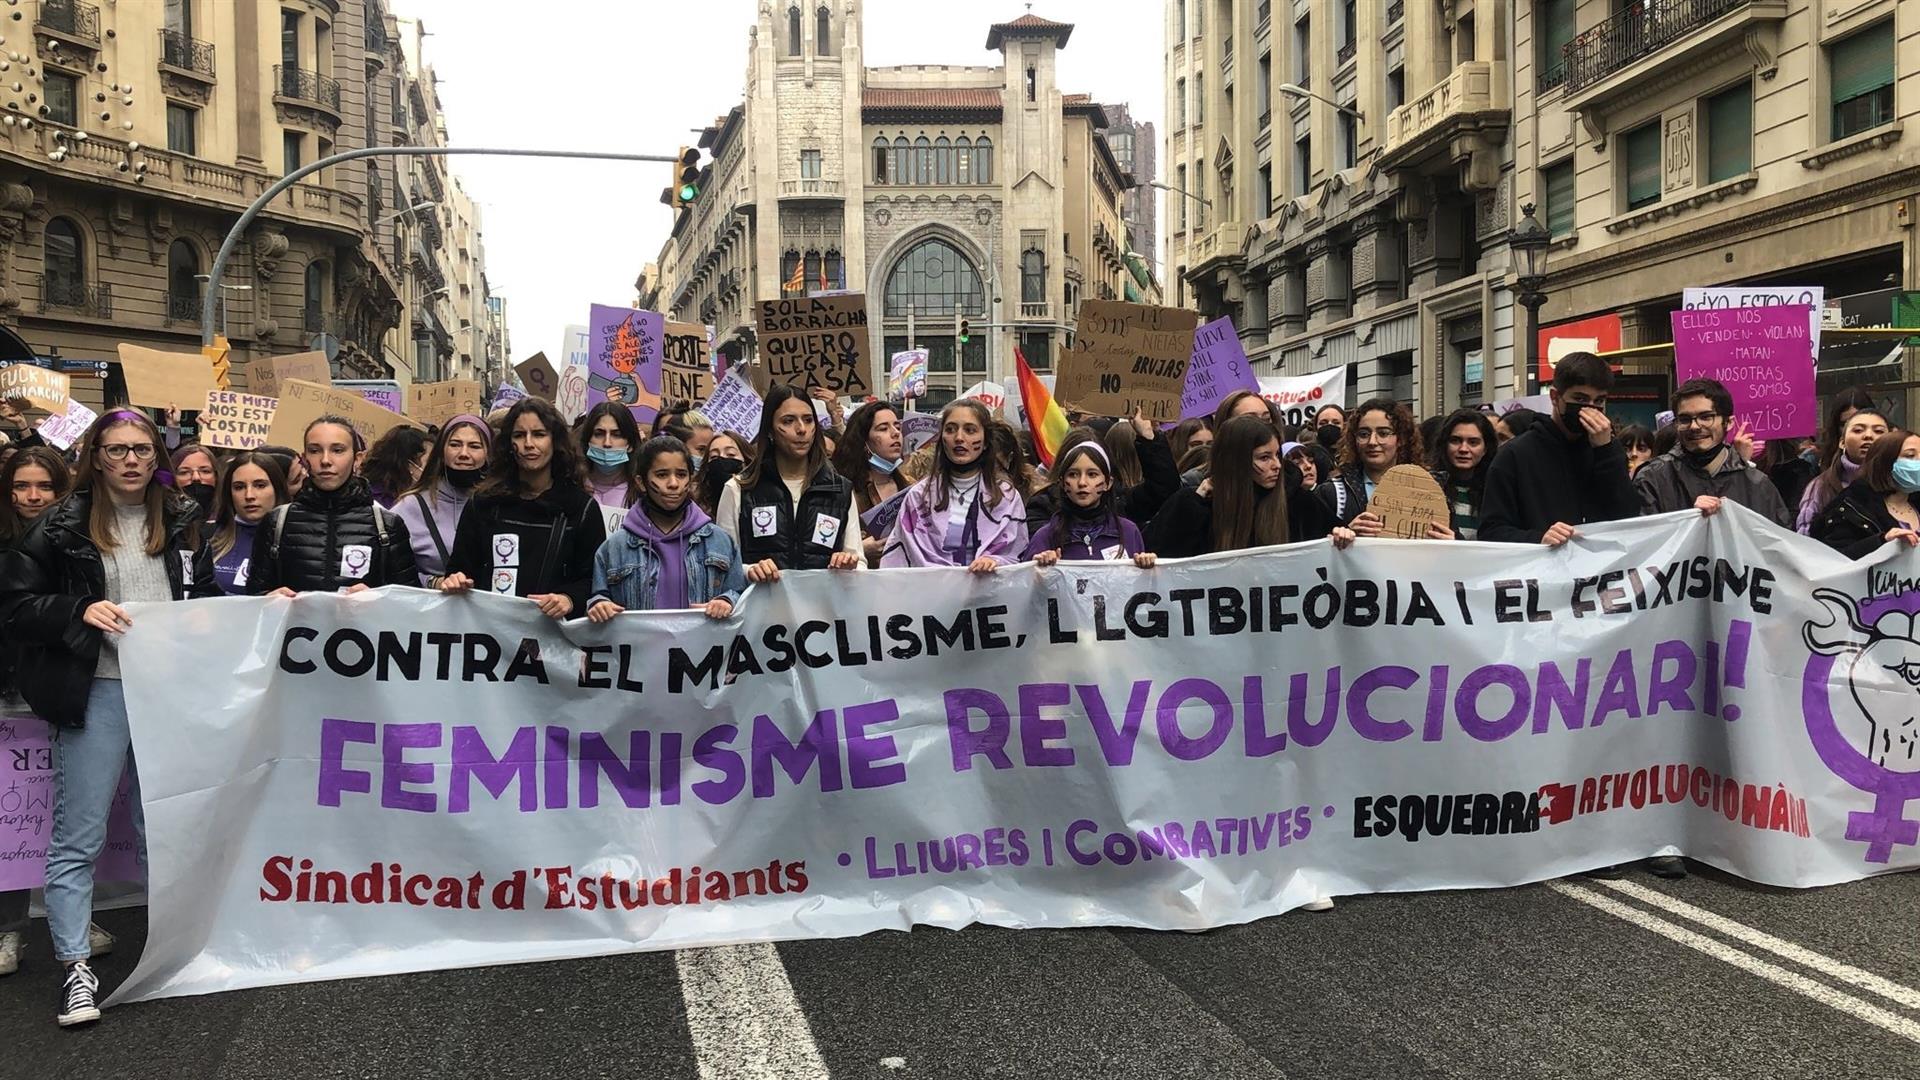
(533, 527)
(1883, 505)
(332, 536)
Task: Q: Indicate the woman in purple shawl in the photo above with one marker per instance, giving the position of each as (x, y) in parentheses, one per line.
(432, 509)
(967, 511)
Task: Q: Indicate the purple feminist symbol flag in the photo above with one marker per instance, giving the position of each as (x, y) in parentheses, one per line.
(623, 359)
(1219, 368)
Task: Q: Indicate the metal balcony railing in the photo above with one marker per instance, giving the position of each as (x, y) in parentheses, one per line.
(302, 85)
(65, 294)
(1395, 10)
(1346, 51)
(177, 50)
(1636, 32)
(1266, 120)
(72, 18)
(376, 36)
(183, 307)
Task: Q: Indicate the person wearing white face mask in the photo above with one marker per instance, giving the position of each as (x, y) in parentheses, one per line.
(1882, 505)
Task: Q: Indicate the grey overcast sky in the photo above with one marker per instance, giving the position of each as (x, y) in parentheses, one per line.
(626, 75)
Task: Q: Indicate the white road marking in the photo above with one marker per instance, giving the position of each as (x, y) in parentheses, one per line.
(745, 1022)
(1826, 965)
(1791, 980)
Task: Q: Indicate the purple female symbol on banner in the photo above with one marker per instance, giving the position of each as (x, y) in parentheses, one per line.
(1219, 368)
(1875, 750)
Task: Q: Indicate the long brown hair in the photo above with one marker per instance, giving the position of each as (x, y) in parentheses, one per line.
(87, 472)
(1406, 438)
(1119, 442)
(12, 525)
(991, 475)
(1831, 481)
(503, 468)
(1243, 515)
(851, 457)
(764, 454)
(225, 524)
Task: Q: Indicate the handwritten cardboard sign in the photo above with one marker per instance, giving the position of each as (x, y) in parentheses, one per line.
(537, 375)
(165, 380)
(437, 402)
(64, 428)
(1407, 499)
(1127, 358)
(1763, 356)
(686, 373)
(734, 405)
(817, 341)
(236, 421)
(308, 366)
(37, 386)
(301, 403)
(1219, 368)
(623, 359)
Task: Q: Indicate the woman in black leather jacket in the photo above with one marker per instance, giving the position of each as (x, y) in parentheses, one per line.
(332, 536)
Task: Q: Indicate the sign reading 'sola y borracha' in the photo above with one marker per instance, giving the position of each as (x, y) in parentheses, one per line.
(817, 341)
(413, 784)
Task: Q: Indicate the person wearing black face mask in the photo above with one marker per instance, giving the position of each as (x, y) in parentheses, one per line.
(193, 476)
(725, 459)
(1330, 426)
(432, 508)
(1704, 467)
(1564, 472)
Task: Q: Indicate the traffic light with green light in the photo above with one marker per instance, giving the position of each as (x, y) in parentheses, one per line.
(964, 333)
(686, 177)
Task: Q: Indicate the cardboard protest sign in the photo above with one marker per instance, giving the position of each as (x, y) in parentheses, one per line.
(37, 386)
(623, 359)
(734, 406)
(988, 393)
(303, 402)
(537, 375)
(1127, 358)
(1219, 367)
(63, 429)
(1300, 396)
(1761, 354)
(435, 403)
(1407, 499)
(237, 421)
(165, 380)
(686, 373)
(816, 341)
(307, 366)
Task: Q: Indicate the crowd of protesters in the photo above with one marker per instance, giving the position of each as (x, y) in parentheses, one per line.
(595, 518)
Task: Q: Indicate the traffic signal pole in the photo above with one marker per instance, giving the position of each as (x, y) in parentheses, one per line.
(274, 190)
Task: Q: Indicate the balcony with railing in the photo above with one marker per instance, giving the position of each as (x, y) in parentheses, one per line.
(1347, 51)
(1224, 241)
(61, 295)
(1036, 310)
(186, 55)
(810, 189)
(1472, 99)
(304, 87)
(1395, 11)
(72, 21)
(377, 40)
(183, 307)
(1618, 54)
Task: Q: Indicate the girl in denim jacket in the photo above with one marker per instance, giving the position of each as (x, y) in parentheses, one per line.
(667, 553)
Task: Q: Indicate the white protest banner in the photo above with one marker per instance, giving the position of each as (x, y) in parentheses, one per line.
(1300, 396)
(1815, 296)
(236, 421)
(403, 781)
(43, 388)
(734, 405)
(63, 429)
(988, 393)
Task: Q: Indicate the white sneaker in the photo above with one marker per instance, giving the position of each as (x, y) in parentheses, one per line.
(99, 942)
(10, 952)
(1324, 903)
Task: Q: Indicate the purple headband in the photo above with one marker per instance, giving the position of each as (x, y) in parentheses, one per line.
(466, 418)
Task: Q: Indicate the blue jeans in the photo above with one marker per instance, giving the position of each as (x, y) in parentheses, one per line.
(87, 763)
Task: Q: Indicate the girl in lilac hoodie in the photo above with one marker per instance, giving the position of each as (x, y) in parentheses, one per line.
(667, 553)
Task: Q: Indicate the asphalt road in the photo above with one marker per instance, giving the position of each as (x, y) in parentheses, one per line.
(1708, 977)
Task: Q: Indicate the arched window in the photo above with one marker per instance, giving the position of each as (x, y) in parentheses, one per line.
(836, 271)
(880, 155)
(902, 161)
(963, 160)
(983, 161)
(816, 274)
(922, 160)
(934, 277)
(793, 31)
(183, 284)
(822, 32)
(942, 161)
(65, 266)
(1033, 276)
(792, 283)
(316, 294)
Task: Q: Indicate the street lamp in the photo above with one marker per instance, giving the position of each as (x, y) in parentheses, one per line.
(1201, 199)
(428, 205)
(1295, 90)
(1529, 241)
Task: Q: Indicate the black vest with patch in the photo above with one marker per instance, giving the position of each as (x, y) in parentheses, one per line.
(771, 527)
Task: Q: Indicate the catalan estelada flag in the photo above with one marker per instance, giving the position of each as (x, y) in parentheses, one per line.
(1044, 417)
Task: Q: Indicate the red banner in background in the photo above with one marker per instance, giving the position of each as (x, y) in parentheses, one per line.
(1598, 333)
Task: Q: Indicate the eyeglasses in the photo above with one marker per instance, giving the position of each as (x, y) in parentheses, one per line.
(119, 451)
(1694, 419)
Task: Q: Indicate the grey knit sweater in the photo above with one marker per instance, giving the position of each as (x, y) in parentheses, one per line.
(132, 575)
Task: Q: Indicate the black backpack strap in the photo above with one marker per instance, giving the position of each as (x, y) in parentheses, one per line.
(279, 527)
(433, 528)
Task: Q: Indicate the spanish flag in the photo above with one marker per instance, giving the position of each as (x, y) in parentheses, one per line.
(1044, 418)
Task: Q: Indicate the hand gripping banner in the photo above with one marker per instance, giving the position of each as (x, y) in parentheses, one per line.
(401, 781)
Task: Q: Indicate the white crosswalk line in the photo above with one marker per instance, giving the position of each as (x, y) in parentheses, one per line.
(1791, 980)
(745, 1022)
(1760, 939)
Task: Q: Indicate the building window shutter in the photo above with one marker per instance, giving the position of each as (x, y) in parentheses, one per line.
(1730, 134)
(1560, 199)
(1862, 63)
(1643, 166)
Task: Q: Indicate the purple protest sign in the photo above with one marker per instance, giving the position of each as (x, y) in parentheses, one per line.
(381, 392)
(1764, 355)
(26, 811)
(1219, 368)
(624, 359)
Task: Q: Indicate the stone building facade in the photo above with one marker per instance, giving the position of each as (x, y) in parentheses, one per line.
(1136, 149)
(943, 192)
(138, 134)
